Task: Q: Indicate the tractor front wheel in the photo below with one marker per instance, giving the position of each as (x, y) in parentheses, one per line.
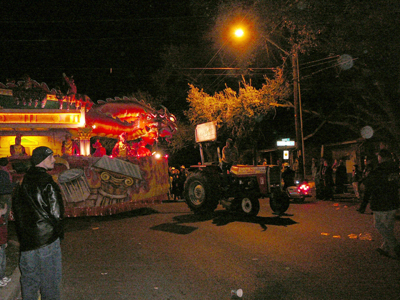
(247, 205)
(279, 202)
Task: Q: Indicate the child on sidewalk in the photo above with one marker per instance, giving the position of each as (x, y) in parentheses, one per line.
(3, 244)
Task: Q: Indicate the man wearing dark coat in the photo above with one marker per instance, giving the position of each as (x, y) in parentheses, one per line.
(341, 177)
(327, 179)
(38, 211)
(383, 184)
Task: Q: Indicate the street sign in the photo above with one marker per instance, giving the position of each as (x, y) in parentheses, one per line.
(285, 143)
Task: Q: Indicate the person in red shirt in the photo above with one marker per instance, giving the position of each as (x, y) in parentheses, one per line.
(100, 150)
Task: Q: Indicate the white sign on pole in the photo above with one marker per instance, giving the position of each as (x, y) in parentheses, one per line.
(285, 154)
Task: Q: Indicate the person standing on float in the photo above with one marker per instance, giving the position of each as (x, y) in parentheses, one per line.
(17, 149)
(121, 148)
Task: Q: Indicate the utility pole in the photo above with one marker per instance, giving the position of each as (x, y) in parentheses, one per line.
(296, 101)
(297, 110)
(303, 154)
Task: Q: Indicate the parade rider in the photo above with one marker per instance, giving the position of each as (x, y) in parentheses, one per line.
(230, 156)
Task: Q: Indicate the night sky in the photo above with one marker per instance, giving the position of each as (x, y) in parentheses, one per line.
(110, 47)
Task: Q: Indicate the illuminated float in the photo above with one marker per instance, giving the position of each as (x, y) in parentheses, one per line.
(94, 180)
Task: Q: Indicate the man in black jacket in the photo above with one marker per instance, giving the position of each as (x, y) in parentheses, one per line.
(383, 184)
(38, 211)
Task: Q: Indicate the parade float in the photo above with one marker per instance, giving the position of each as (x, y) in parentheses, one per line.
(94, 180)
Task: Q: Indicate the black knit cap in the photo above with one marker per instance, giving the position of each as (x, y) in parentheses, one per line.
(40, 154)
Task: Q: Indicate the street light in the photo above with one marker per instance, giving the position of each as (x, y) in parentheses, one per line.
(239, 32)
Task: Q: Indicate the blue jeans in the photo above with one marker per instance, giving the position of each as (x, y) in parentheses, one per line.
(3, 261)
(41, 271)
(384, 222)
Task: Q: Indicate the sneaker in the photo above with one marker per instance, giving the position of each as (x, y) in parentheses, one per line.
(6, 279)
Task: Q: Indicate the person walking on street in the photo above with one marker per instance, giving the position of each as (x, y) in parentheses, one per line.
(181, 182)
(38, 211)
(355, 180)
(319, 183)
(314, 168)
(327, 178)
(175, 184)
(341, 177)
(366, 192)
(288, 177)
(383, 184)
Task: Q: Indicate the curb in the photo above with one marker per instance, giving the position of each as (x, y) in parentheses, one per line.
(13, 288)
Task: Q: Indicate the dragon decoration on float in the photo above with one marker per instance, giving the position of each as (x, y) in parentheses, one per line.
(139, 120)
(105, 118)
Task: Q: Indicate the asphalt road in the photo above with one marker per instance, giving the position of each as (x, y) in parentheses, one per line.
(319, 250)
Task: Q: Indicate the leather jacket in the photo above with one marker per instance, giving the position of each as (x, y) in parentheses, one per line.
(38, 210)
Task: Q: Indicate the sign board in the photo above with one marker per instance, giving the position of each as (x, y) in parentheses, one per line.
(285, 142)
(248, 170)
(206, 132)
(286, 154)
(45, 118)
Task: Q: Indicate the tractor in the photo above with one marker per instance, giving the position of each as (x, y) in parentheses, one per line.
(206, 185)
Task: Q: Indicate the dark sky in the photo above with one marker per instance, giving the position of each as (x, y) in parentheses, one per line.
(110, 47)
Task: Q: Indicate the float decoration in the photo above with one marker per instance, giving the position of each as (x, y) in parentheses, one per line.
(134, 118)
(29, 93)
(94, 184)
(17, 149)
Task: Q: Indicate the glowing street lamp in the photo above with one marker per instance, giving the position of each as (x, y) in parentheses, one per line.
(239, 32)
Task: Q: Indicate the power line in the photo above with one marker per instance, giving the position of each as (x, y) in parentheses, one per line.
(79, 39)
(86, 20)
(226, 68)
